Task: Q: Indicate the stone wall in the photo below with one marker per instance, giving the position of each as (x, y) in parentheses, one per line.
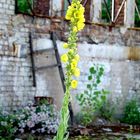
(116, 48)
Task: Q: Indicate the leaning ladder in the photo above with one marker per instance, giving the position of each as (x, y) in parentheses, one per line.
(58, 64)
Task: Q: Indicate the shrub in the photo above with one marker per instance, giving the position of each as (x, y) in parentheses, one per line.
(41, 119)
(106, 111)
(24, 6)
(38, 119)
(7, 128)
(132, 113)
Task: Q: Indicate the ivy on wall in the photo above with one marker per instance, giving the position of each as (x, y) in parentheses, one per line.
(33, 7)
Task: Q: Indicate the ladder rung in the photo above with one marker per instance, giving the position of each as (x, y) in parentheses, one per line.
(49, 66)
(41, 51)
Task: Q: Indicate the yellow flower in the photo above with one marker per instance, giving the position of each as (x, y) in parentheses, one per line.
(69, 13)
(77, 72)
(77, 14)
(77, 57)
(78, 2)
(74, 83)
(80, 25)
(72, 19)
(65, 45)
(74, 5)
(73, 64)
(68, 16)
(75, 29)
(82, 19)
(64, 58)
(82, 9)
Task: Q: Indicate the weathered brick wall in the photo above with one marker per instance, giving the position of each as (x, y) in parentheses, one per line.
(15, 73)
(15, 82)
(116, 48)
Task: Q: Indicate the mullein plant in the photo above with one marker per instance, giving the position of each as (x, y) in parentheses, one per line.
(75, 14)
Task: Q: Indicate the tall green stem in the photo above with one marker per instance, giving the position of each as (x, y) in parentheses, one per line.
(62, 129)
(75, 14)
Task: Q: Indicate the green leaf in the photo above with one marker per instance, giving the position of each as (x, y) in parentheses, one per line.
(100, 73)
(94, 85)
(97, 93)
(98, 81)
(88, 86)
(103, 98)
(101, 69)
(85, 92)
(90, 77)
(105, 91)
(92, 70)
(81, 95)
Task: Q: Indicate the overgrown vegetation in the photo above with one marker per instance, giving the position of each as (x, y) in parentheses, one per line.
(132, 113)
(107, 111)
(24, 6)
(93, 97)
(41, 119)
(7, 126)
(105, 15)
(137, 18)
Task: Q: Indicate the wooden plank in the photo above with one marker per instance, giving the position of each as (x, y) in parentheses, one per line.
(48, 66)
(44, 50)
(32, 59)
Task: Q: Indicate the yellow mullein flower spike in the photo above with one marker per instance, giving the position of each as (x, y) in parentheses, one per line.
(75, 14)
(64, 58)
(74, 84)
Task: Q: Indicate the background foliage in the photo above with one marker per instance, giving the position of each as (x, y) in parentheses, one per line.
(24, 6)
(132, 113)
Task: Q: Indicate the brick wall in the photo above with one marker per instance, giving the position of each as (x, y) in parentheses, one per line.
(116, 48)
(15, 82)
